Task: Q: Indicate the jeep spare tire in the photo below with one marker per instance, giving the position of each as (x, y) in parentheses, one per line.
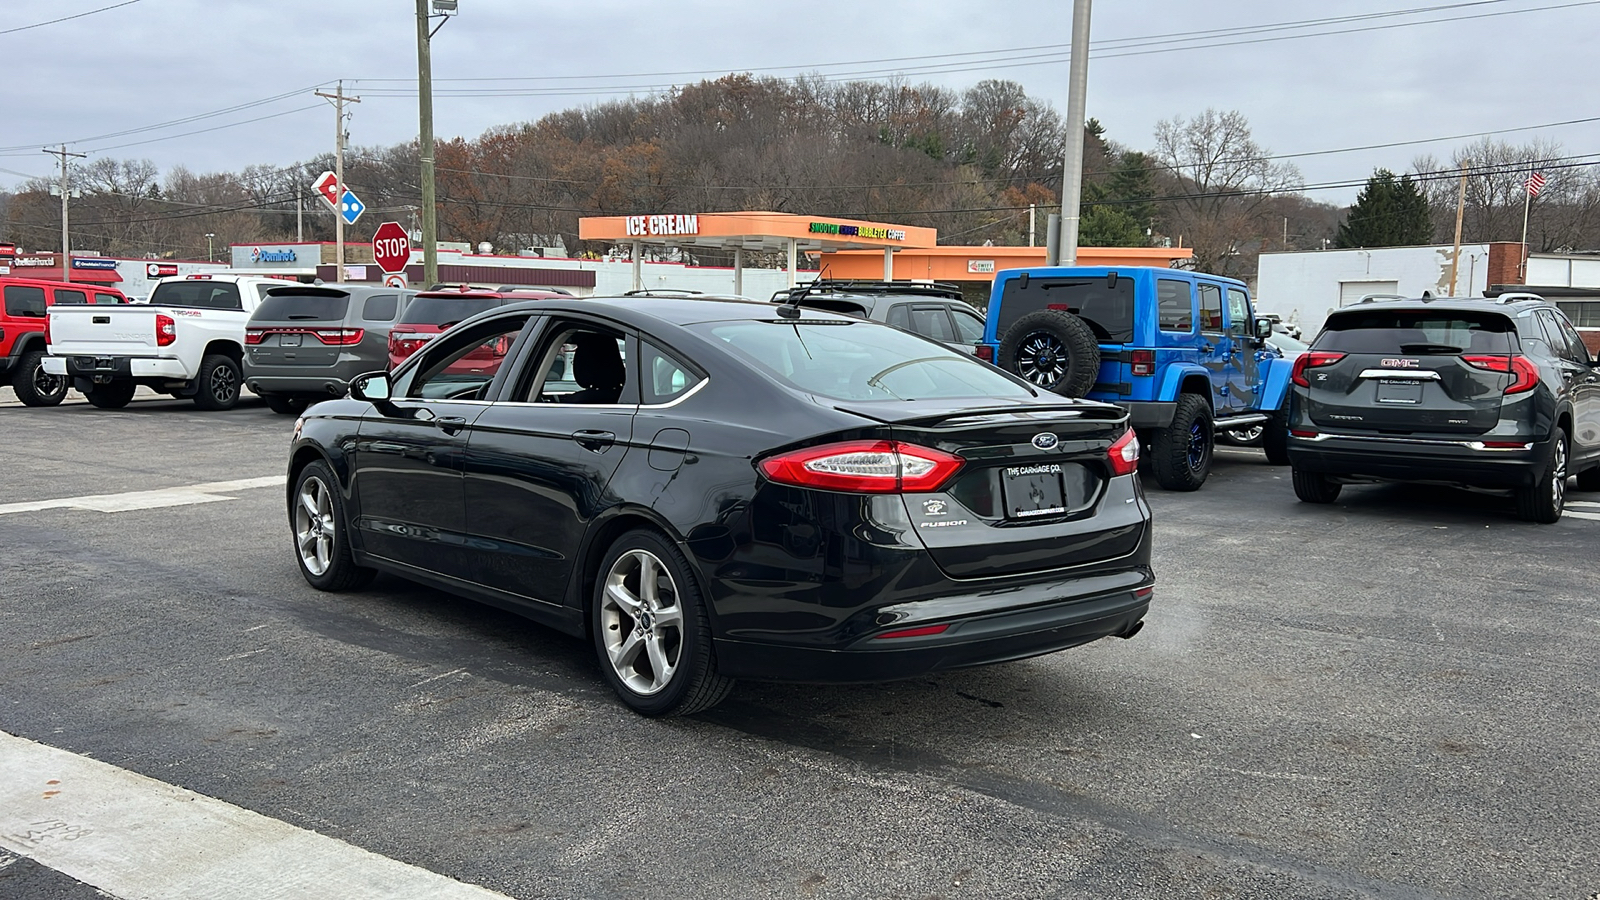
(1054, 349)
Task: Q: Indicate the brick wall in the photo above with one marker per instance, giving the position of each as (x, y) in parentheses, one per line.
(1505, 263)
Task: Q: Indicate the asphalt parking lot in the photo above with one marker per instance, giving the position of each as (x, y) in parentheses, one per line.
(1394, 696)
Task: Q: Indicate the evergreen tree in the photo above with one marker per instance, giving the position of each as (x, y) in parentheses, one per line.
(1388, 212)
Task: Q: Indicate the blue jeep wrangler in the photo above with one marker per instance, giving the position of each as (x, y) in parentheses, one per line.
(1181, 351)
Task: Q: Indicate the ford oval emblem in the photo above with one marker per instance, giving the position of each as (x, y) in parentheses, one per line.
(1045, 441)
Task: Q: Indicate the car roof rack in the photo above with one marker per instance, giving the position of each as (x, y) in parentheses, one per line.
(651, 292)
(942, 289)
(1374, 298)
(1518, 296)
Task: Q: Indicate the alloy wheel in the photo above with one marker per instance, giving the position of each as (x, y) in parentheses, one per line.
(47, 385)
(223, 384)
(1199, 446)
(1558, 475)
(642, 621)
(1042, 359)
(314, 526)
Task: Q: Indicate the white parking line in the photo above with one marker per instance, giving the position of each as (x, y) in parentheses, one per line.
(209, 492)
(133, 836)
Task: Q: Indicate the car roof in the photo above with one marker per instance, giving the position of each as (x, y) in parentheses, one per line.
(479, 294)
(1505, 303)
(642, 311)
(50, 282)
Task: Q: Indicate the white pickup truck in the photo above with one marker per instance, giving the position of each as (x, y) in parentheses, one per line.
(187, 341)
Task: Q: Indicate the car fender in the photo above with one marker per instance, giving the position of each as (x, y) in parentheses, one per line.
(1273, 374)
(587, 549)
(1172, 378)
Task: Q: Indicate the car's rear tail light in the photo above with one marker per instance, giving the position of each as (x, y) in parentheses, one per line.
(922, 631)
(1124, 454)
(985, 353)
(166, 330)
(47, 330)
(503, 345)
(1527, 374)
(1300, 433)
(1312, 359)
(404, 343)
(254, 335)
(868, 467)
(339, 337)
(1144, 362)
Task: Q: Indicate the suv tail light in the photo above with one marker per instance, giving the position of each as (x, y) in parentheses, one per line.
(1124, 454)
(1312, 359)
(339, 337)
(1527, 374)
(166, 330)
(1144, 362)
(865, 467)
(47, 329)
(254, 335)
(985, 353)
(404, 343)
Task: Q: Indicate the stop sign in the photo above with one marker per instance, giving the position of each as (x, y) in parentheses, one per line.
(391, 248)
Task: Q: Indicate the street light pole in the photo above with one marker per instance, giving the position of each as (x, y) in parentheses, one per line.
(209, 255)
(430, 249)
(1072, 169)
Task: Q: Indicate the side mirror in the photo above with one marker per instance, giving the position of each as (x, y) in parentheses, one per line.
(372, 387)
(1263, 328)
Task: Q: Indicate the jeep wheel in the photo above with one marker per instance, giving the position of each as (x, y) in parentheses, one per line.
(1054, 349)
(1275, 440)
(1182, 457)
(1544, 501)
(1312, 487)
(35, 386)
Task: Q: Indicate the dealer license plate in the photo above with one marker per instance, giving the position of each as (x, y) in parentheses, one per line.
(1399, 391)
(1033, 491)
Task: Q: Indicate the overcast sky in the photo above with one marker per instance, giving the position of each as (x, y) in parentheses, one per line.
(1460, 69)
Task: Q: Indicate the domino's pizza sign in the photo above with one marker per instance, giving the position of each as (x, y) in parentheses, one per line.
(260, 255)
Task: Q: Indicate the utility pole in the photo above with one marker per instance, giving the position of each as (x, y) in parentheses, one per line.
(1032, 222)
(300, 217)
(1072, 170)
(66, 243)
(339, 136)
(1461, 208)
(430, 230)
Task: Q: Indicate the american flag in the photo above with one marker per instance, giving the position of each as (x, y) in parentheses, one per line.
(1535, 184)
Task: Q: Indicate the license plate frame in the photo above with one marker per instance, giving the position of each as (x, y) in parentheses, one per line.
(1406, 392)
(289, 340)
(1033, 491)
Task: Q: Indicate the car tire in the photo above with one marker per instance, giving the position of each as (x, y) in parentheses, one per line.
(321, 532)
(1545, 500)
(35, 386)
(1589, 479)
(1053, 349)
(284, 404)
(1314, 487)
(219, 383)
(1275, 441)
(1181, 453)
(640, 630)
(114, 395)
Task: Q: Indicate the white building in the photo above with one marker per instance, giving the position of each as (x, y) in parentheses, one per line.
(1304, 286)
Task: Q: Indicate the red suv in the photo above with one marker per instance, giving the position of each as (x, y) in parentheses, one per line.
(25, 333)
(431, 312)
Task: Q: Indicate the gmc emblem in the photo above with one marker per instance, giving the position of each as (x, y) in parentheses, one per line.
(1400, 363)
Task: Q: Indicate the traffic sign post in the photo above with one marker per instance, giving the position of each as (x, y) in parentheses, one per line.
(350, 207)
(391, 247)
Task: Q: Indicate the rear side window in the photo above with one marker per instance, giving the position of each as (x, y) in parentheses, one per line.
(24, 301)
(900, 316)
(380, 307)
(860, 361)
(1210, 307)
(933, 322)
(72, 298)
(664, 377)
(1175, 305)
(282, 307)
(1417, 332)
(108, 299)
(197, 294)
(446, 310)
(968, 326)
(1107, 307)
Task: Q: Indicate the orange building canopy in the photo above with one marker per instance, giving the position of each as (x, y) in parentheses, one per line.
(756, 231)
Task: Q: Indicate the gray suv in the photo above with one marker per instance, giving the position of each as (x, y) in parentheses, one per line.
(305, 343)
(932, 309)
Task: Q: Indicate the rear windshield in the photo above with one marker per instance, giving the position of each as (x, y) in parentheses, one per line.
(860, 361)
(1106, 307)
(1416, 332)
(446, 310)
(290, 307)
(197, 294)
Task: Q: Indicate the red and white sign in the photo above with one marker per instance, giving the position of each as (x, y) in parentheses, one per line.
(327, 187)
(394, 281)
(160, 270)
(391, 247)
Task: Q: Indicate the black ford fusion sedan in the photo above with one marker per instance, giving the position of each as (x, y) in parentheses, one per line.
(714, 489)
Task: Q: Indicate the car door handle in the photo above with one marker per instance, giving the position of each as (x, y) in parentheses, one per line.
(594, 440)
(450, 424)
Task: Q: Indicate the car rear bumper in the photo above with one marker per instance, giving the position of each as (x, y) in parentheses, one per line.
(325, 382)
(117, 368)
(1437, 461)
(971, 640)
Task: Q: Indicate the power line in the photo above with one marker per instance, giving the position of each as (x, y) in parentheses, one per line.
(70, 18)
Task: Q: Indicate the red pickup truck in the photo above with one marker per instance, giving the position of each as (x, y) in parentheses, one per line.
(24, 334)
